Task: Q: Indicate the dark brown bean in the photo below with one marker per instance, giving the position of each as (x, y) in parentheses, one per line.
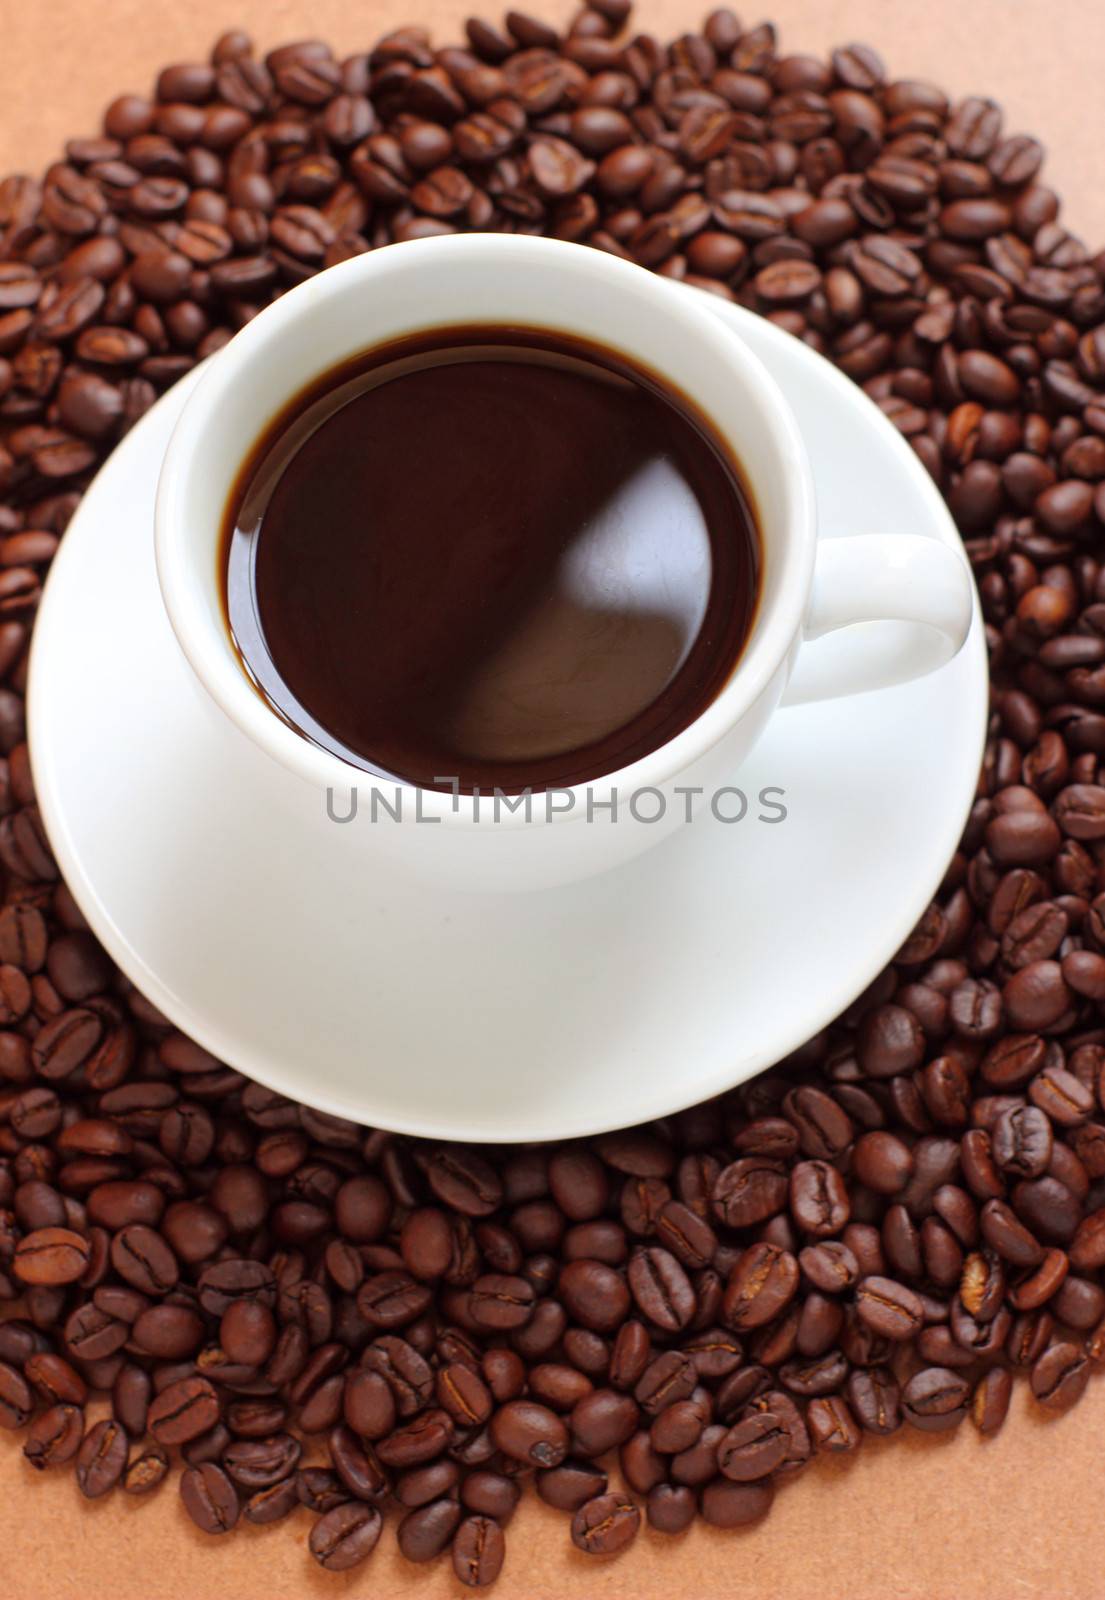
(874, 1398)
(890, 1309)
(183, 1411)
(428, 1530)
(735, 1505)
(1059, 1376)
(55, 1436)
(101, 1459)
(530, 1433)
(478, 1552)
(51, 1256)
(606, 1525)
(16, 1399)
(661, 1288)
(753, 1448)
(761, 1285)
(935, 1399)
(210, 1498)
(345, 1536)
(569, 1486)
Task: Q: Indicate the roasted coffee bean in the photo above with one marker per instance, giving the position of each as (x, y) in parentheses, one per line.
(601, 1421)
(818, 1198)
(890, 1041)
(606, 1525)
(873, 1395)
(1059, 1376)
(51, 1256)
(832, 1427)
(272, 1504)
(1087, 1248)
(422, 1439)
(391, 1300)
(478, 1552)
(345, 1536)
(210, 1498)
(569, 1486)
(982, 1284)
(818, 1375)
(319, 1489)
(678, 1427)
(935, 1399)
(55, 1436)
(406, 1373)
(114, 1205)
(558, 1385)
(661, 1288)
(16, 1398)
(734, 1505)
(369, 1406)
(253, 1419)
(1008, 1236)
(1048, 1207)
(54, 1379)
(146, 1471)
(499, 1302)
(715, 1353)
(355, 1463)
(321, 1408)
(830, 1266)
(670, 1377)
(247, 1332)
(142, 1258)
(465, 1181)
(464, 1395)
(687, 1234)
(169, 1332)
(101, 1459)
(1021, 1141)
(670, 1508)
(362, 1209)
(183, 1411)
(1036, 1286)
(760, 1286)
(753, 1448)
(749, 1191)
(41, 1208)
(490, 1494)
(990, 1401)
(427, 1531)
(883, 1162)
(258, 1463)
(824, 1129)
(530, 1433)
(92, 1334)
(890, 1309)
(642, 1464)
(594, 1294)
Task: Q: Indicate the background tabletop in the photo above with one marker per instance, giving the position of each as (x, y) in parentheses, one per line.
(917, 1518)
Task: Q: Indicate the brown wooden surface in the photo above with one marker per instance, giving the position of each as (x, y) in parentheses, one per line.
(1017, 1518)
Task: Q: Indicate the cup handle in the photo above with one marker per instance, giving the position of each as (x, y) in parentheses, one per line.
(881, 578)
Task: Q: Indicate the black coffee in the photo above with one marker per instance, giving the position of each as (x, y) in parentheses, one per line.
(499, 556)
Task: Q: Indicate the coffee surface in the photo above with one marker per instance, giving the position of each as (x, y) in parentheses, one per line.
(500, 557)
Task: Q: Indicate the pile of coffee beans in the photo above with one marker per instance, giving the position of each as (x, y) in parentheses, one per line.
(670, 1321)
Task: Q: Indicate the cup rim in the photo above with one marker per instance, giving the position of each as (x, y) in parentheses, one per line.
(773, 632)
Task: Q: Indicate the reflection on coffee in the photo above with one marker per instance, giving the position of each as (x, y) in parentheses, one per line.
(497, 555)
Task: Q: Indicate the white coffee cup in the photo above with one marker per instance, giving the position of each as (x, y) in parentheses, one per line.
(809, 588)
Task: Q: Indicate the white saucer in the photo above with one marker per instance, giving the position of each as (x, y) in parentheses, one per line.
(499, 1018)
